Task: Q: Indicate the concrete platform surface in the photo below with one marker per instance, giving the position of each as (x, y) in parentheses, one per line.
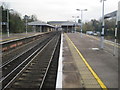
(71, 76)
(85, 65)
(12, 36)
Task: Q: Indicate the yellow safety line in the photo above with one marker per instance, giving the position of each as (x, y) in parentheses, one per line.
(92, 37)
(9, 39)
(14, 38)
(105, 42)
(89, 67)
(18, 37)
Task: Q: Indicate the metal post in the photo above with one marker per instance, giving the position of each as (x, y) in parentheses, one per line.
(26, 21)
(103, 24)
(75, 21)
(40, 28)
(8, 33)
(0, 24)
(1, 45)
(75, 24)
(81, 17)
(81, 21)
(115, 41)
(72, 28)
(67, 29)
(75, 28)
(34, 29)
(26, 25)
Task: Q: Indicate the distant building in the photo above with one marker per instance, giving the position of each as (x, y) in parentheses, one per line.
(41, 26)
(57, 23)
(66, 26)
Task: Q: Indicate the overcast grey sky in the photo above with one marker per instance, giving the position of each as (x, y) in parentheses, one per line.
(50, 10)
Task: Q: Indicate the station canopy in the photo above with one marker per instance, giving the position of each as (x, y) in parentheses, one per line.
(110, 15)
(70, 24)
(114, 13)
(39, 23)
(63, 23)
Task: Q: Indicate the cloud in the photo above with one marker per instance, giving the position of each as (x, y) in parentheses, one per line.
(61, 9)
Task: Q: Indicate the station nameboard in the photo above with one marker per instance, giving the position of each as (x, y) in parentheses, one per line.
(119, 23)
(119, 11)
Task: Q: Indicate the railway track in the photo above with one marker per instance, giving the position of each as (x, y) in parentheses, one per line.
(12, 54)
(30, 70)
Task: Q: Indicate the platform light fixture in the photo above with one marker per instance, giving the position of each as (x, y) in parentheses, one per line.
(8, 21)
(103, 26)
(75, 20)
(26, 17)
(81, 10)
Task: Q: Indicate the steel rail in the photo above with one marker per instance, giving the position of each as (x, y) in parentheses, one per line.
(2, 79)
(49, 64)
(7, 62)
(38, 52)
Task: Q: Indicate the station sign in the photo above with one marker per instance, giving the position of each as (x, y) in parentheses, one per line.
(4, 23)
(110, 15)
(119, 11)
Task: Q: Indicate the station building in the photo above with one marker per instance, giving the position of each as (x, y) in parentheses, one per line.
(39, 26)
(66, 26)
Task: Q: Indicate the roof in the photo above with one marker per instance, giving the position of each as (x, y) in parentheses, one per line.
(63, 23)
(39, 23)
(70, 24)
(57, 22)
(110, 15)
(114, 14)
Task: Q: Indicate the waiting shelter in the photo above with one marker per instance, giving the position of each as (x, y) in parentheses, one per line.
(67, 26)
(70, 26)
(40, 26)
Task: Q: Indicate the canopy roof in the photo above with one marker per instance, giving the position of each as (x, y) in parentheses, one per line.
(39, 23)
(70, 24)
(110, 15)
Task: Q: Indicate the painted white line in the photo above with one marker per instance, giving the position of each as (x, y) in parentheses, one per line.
(59, 73)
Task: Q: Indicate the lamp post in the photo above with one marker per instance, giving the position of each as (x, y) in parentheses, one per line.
(81, 17)
(8, 28)
(26, 21)
(1, 24)
(103, 26)
(75, 20)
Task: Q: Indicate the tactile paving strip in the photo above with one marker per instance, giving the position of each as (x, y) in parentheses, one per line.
(88, 79)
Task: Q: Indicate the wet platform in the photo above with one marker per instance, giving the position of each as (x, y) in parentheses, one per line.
(85, 65)
(71, 75)
(5, 38)
(75, 73)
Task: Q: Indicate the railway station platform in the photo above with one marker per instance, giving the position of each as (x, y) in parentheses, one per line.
(85, 65)
(17, 36)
